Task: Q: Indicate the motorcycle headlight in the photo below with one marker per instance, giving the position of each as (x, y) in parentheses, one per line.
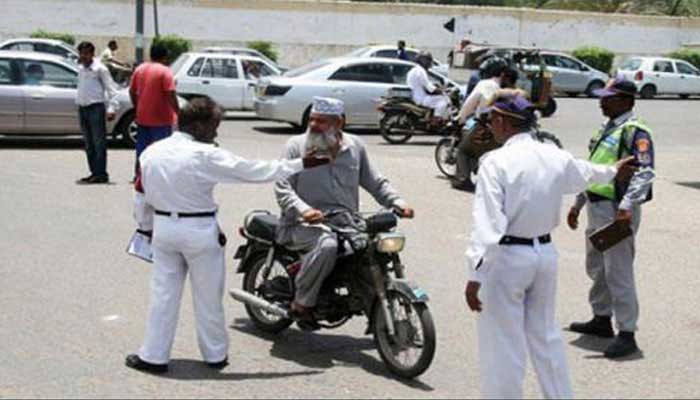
(390, 242)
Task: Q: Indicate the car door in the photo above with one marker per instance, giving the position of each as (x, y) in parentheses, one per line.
(187, 80)
(567, 75)
(222, 81)
(11, 98)
(689, 78)
(50, 101)
(361, 86)
(664, 76)
(254, 69)
(577, 73)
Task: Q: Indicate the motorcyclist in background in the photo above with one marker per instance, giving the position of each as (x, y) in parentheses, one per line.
(424, 92)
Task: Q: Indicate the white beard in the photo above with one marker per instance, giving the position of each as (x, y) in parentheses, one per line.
(321, 144)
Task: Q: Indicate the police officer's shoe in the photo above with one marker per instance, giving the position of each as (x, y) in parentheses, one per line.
(219, 365)
(599, 326)
(135, 362)
(624, 345)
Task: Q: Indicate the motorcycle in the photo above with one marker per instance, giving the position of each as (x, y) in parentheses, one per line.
(401, 118)
(368, 279)
(481, 142)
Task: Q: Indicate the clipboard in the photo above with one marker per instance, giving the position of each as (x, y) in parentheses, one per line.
(610, 235)
(140, 246)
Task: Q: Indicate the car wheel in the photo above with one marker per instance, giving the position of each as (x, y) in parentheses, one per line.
(127, 129)
(305, 120)
(648, 92)
(593, 86)
(684, 96)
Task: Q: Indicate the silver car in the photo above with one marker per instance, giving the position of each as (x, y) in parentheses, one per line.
(359, 82)
(387, 51)
(46, 107)
(48, 46)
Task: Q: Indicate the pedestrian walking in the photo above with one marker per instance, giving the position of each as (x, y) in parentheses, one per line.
(178, 176)
(96, 100)
(152, 92)
(614, 292)
(511, 257)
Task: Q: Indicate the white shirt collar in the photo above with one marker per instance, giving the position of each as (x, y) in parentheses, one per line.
(518, 137)
(622, 119)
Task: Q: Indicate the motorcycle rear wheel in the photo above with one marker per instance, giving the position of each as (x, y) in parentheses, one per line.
(252, 280)
(406, 337)
(445, 157)
(392, 121)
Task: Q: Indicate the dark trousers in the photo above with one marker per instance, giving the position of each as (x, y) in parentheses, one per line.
(147, 135)
(94, 127)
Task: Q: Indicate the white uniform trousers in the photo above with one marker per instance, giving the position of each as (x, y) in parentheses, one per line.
(439, 103)
(180, 246)
(519, 300)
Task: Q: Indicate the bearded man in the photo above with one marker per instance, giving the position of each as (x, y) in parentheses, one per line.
(306, 198)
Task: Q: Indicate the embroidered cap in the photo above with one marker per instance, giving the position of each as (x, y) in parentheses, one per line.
(514, 106)
(328, 106)
(617, 87)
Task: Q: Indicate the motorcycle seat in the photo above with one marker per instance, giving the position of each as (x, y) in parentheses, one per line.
(262, 226)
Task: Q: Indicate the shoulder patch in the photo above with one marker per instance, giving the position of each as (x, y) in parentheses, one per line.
(643, 145)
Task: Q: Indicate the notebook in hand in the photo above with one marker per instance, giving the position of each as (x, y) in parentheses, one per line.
(610, 235)
(140, 246)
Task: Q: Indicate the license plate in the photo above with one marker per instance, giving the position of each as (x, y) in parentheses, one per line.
(241, 252)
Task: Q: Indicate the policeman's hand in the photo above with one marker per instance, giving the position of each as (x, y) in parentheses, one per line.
(472, 296)
(626, 168)
(111, 116)
(572, 219)
(624, 216)
(312, 216)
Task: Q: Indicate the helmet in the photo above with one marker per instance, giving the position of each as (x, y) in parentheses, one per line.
(510, 75)
(424, 58)
(491, 67)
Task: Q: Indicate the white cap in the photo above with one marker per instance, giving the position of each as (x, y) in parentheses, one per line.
(328, 106)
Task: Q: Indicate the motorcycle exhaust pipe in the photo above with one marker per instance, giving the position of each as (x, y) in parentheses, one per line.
(257, 302)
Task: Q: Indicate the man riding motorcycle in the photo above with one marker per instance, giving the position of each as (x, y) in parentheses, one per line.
(424, 92)
(498, 78)
(306, 198)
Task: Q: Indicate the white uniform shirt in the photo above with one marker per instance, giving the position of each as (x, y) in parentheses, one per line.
(95, 85)
(178, 174)
(107, 55)
(421, 86)
(519, 192)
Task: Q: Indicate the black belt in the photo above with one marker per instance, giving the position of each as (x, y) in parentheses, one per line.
(203, 214)
(595, 198)
(514, 240)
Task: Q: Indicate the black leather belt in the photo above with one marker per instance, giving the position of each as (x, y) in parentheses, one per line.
(514, 240)
(203, 214)
(594, 198)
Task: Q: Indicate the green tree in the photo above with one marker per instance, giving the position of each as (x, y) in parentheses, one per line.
(42, 34)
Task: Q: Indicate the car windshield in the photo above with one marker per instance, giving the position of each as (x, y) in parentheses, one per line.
(306, 69)
(177, 65)
(632, 64)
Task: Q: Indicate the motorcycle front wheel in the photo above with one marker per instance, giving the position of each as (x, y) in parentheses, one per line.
(445, 156)
(393, 130)
(410, 351)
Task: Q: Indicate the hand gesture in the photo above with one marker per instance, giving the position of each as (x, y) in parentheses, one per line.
(471, 294)
(572, 219)
(406, 212)
(626, 168)
(312, 216)
(624, 216)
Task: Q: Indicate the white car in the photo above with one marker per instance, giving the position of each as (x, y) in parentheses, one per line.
(387, 51)
(658, 76)
(48, 46)
(245, 52)
(358, 82)
(228, 79)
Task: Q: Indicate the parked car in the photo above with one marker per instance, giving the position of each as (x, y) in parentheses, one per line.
(244, 51)
(48, 46)
(228, 79)
(387, 51)
(658, 76)
(359, 82)
(47, 107)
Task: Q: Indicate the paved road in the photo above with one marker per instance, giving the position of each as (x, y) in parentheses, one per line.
(72, 304)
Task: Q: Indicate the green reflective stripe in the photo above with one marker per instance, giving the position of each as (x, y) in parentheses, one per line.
(608, 150)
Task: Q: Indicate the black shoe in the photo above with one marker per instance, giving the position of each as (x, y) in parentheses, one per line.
(98, 180)
(84, 181)
(219, 365)
(135, 362)
(624, 345)
(600, 326)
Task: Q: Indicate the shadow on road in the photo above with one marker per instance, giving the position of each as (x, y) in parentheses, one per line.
(61, 143)
(324, 351)
(692, 185)
(411, 143)
(191, 370)
(591, 343)
(289, 130)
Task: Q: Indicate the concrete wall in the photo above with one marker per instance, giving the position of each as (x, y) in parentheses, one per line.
(308, 30)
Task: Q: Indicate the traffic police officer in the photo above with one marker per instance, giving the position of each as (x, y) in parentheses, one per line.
(519, 193)
(613, 291)
(178, 176)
